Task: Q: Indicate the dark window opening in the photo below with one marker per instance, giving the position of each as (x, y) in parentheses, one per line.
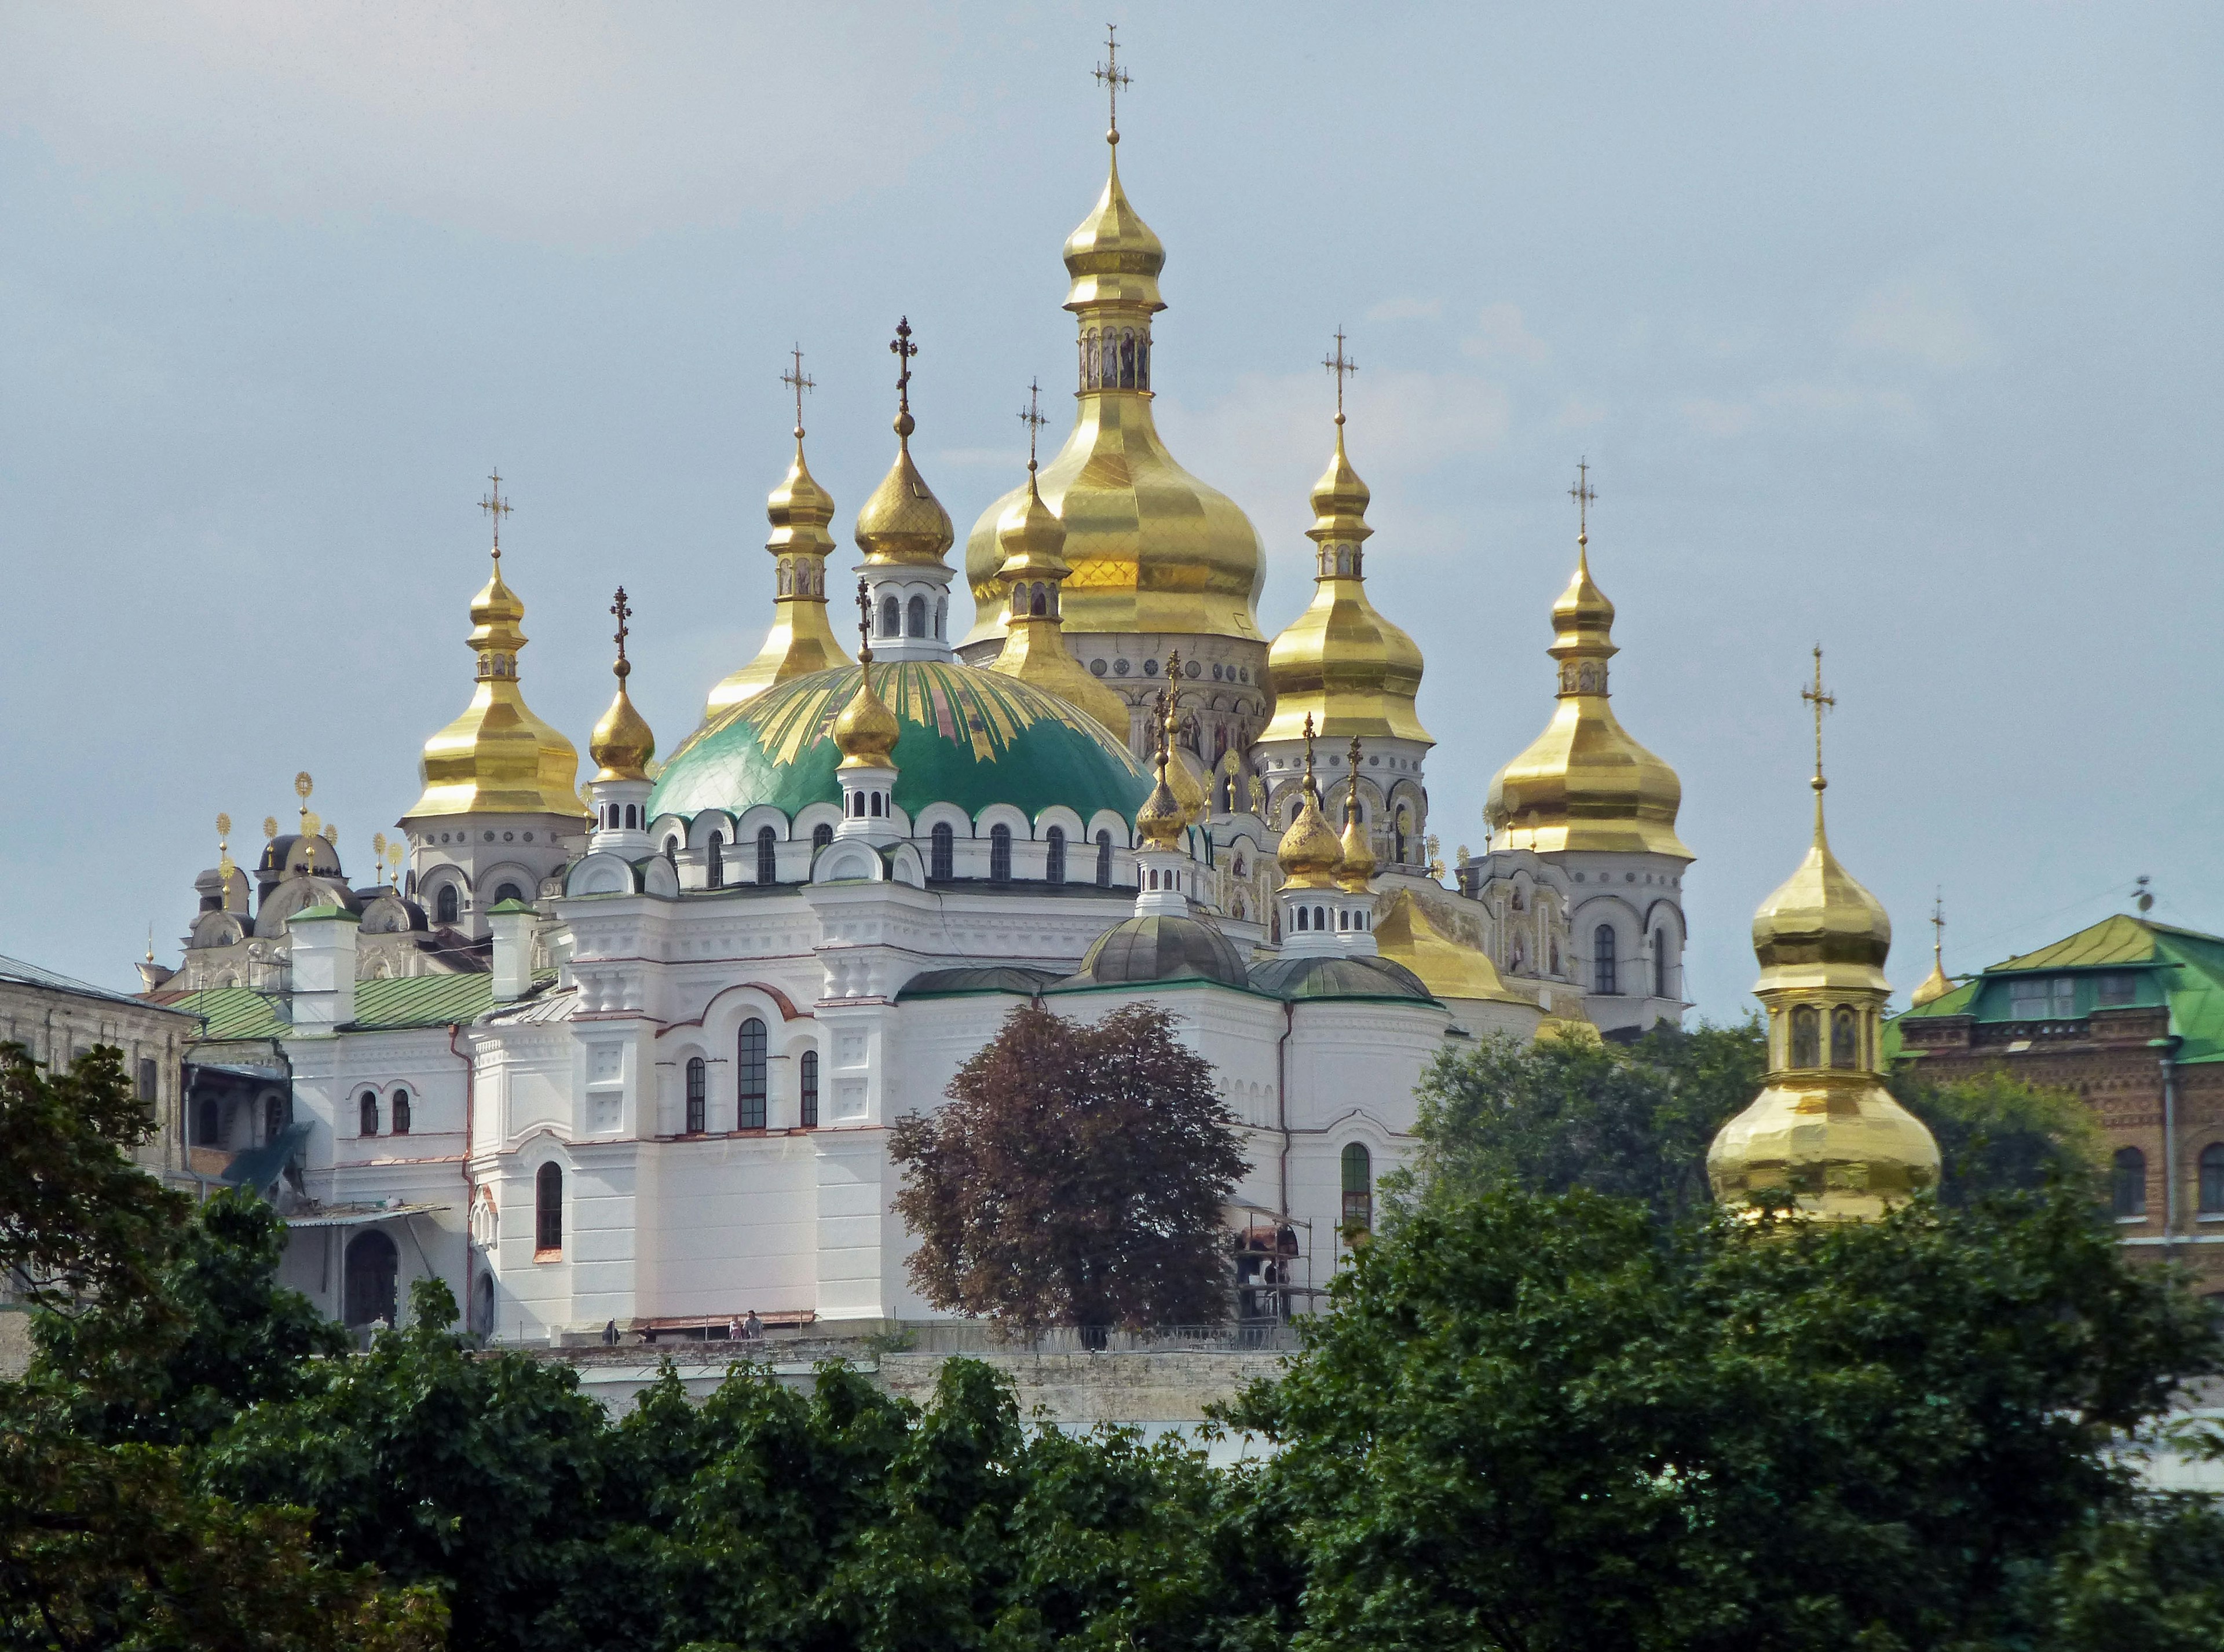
(366, 1113)
(1659, 963)
(1358, 1189)
(548, 1211)
(810, 1114)
(368, 1278)
(697, 1094)
(208, 1124)
(751, 1073)
(447, 905)
(942, 853)
(2212, 1179)
(1602, 962)
(916, 617)
(767, 854)
(714, 862)
(401, 1113)
(999, 854)
(150, 1078)
(508, 892)
(821, 835)
(1054, 855)
(2129, 1179)
(1103, 859)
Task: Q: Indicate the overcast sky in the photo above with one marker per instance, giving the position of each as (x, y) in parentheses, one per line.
(1891, 328)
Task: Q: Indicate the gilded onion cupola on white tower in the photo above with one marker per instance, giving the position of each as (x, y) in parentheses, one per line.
(1159, 560)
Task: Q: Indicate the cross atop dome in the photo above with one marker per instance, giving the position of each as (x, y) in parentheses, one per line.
(1112, 77)
(496, 506)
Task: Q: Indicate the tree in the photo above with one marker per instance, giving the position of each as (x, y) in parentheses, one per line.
(1996, 1131)
(1554, 1114)
(1075, 1178)
(1542, 1422)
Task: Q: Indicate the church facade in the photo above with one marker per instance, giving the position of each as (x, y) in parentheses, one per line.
(629, 1051)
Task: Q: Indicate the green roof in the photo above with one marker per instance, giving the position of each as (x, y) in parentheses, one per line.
(405, 1001)
(2180, 969)
(970, 737)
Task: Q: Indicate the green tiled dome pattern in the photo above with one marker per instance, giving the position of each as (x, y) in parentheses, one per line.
(970, 737)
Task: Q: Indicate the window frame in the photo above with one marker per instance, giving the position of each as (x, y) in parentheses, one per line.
(752, 1074)
(697, 1096)
(548, 1212)
(808, 1090)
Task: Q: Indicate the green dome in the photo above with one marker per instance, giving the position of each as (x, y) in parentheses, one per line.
(970, 737)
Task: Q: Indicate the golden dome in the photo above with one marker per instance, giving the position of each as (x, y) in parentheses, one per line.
(1186, 773)
(1160, 821)
(1357, 871)
(1406, 934)
(866, 731)
(497, 758)
(1153, 549)
(1821, 926)
(623, 743)
(1034, 645)
(1309, 853)
(1584, 784)
(1340, 662)
(1938, 983)
(800, 641)
(903, 523)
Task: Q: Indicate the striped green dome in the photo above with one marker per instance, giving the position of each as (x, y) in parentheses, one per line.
(970, 737)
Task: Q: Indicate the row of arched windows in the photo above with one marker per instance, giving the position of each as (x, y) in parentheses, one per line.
(1808, 1030)
(2128, 1180)
(1115, 358)
(802, 577)
(1316, 919)
(902, 618)
(751, 1069)
(1036, 600)
(398, 1113)
(1606, 973)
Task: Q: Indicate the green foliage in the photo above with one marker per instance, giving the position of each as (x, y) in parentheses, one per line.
(1996, 1133)
(1075, 1178)
(1546, 1422)
(1556, 1114)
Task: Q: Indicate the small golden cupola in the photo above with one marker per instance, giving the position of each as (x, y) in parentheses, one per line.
(1339, 663)
(1938, 983)
(1584, 784)
(1356, 874)
(1034, 572)
(1309, 853)
(622, 747)
(1185, 772)
(905, 534)
(497, 758)
(801, 640)
(1824, 1137)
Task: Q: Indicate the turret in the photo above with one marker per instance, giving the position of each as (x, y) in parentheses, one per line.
(905, 532)
(622, 747)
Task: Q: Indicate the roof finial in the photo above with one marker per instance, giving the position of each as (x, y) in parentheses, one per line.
(1582, 493)
(903, 349)
(864, 625)
(1938, 927)
(1343, 365)
(496, 506)
(623, 669)
(795, 380)
(1112, 77)
(1821, 701)
(1310, 787)
(303, 786)
(1034, 421)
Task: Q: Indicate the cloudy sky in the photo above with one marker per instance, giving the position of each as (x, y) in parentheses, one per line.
(1893, 328)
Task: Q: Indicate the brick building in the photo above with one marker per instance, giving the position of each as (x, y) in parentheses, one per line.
(2129, 1014)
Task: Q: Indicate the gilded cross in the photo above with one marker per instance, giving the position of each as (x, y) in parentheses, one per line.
(496, 506)
(903, 349)
(625, 612)
(795, 380)
(1938, 926)
(864, 624)
(1032, 418)
(1822, 702)
(1343, 365)
(1111, 76)
(1582, 493)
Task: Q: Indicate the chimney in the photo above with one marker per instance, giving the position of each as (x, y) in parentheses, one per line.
(513, 922)
(324, 969)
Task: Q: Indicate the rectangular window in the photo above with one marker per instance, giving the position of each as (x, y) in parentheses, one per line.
(809, 1114)
(2044, 998)
(150, 1078)
(751, 1076)
(2112, 990)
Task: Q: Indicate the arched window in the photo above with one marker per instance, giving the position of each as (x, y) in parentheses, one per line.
(714, 862)
(208, 1123)
(1806, 1036)
(1320, 918)
(698, 1094)
(1103, 859)
(401, 1113)
(999, 854)
(942, 616)
(915, 617)
(548, 1213)
(508, 892)
(273, 1117)
(367, 1280)
(671, 847)
(1602, 962)
(366, 1114)
(447, 905)
(1358, 1189)
(809, 1114)
(821, 835)
(1054, 855)
(891, 616)
(1659, 963)
(633, 817)
(1302, 919)
(750, 1070)
(1844, 1040)
(2130, 1180)
(942, 853)
(767, 854)
(2212, 1179)
(876, 804)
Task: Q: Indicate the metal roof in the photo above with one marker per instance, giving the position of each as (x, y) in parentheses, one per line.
(30, 975)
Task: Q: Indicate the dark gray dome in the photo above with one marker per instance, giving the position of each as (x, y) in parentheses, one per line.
(1160, 947)
(979, 977)
(1337, 977)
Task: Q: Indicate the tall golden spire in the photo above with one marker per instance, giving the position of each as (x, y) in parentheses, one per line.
(1341, 662)
(1936, 984)
(1159, 823)
(903, 523)
(497, 758)
(866, 731)
(1825, 1135)
(801, 641)
(1035, 573)
(1584, 784)
(1309, 853)
(623, 743)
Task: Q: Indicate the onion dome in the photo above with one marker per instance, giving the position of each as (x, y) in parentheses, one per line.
(1936, 984)
(1160, 946)
(1407, 936)
(970, 738)
(1340, 662)
(1153, 549)
(903, 523)
(1821, 923)
(623, 743)
(1035, 649)
(497, 758)
(800, 641)
(1584, 784)
(1159, 823)
(1357, 870)
(866, 731)
(1309, 853)
(1184, 774)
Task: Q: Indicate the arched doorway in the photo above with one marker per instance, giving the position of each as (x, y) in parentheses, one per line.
(372, 1266)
